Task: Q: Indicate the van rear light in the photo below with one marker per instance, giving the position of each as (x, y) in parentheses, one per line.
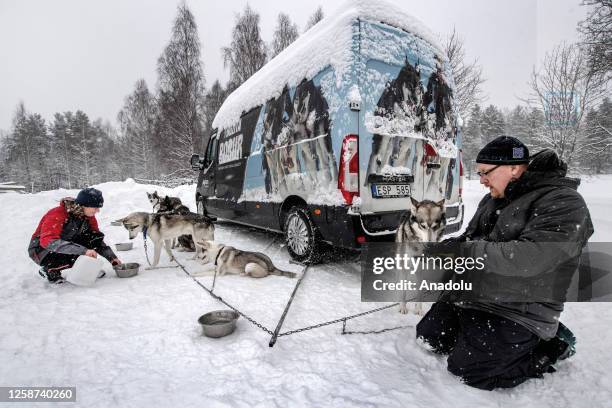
(431, 158)
(361, 239)
(348, 173)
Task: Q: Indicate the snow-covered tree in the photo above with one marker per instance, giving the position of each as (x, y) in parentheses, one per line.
(247, 52)
(564, 88)
(467, 75)
(285, 33)
(137, 121)
(492, 124)
(596, 32)
(181, 92)
(314, 18)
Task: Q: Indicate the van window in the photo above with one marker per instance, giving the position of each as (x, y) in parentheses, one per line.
(211, 151)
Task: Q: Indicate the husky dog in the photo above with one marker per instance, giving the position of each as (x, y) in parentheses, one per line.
(424, 222)
(162, 228)
(170, 202)
(227, 259)
(173, 205)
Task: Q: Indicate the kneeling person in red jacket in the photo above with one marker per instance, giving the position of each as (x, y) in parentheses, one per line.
(67, 232)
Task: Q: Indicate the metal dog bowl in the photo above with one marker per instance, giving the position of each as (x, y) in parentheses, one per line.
(124, 246)
(127, 270)
(218, 323)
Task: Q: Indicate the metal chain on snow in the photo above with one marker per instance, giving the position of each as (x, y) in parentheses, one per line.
(344, 331)
(340, 320)
(290, 332)
(220, 299)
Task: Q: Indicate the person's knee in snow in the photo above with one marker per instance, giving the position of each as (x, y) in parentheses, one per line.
(438, 329)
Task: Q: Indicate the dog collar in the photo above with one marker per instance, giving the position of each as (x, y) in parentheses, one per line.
(219, 253)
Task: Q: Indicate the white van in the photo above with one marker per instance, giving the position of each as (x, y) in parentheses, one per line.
(327, 142)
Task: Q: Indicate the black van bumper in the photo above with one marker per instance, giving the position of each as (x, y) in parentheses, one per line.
(340, 227)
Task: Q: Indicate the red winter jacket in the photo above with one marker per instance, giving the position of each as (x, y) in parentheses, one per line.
(62, 233)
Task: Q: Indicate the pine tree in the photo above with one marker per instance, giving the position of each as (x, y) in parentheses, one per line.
(598, 137)
(472, 139)
(492, 124)
(137, 121)
(285, 33)
(181, 92)
(212, 102)
(247, 51)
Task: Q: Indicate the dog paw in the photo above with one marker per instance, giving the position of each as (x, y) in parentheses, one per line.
(403, 309)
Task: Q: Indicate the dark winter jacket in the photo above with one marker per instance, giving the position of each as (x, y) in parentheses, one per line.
(538, 229)
(66, 230)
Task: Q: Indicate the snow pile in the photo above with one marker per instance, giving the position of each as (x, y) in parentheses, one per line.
(136, 342)
(354, 96)
(328, 43)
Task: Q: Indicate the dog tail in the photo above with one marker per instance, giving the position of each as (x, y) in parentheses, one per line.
(280, 272)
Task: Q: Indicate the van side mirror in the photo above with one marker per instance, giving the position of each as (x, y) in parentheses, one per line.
(196, 162)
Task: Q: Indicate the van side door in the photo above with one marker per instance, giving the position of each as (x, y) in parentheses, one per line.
(206, 180)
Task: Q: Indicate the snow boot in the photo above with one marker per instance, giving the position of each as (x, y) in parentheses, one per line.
(51, 277)
(566, 336)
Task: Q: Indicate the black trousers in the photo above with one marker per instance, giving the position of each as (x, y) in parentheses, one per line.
(54, 263)
(485, 350)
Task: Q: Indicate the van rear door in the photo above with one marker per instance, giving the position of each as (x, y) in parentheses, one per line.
(406, 132)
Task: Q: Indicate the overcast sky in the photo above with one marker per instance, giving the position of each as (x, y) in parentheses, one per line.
(72, 54)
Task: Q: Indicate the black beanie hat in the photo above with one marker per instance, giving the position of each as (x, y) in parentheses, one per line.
(504, 150)
(90, 197)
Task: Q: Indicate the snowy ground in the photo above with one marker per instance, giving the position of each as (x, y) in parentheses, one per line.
(136, 342)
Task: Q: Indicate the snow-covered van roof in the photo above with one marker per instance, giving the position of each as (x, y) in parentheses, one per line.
(328, 43)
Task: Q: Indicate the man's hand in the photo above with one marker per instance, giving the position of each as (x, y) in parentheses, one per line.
(116, 261)
(91, 253)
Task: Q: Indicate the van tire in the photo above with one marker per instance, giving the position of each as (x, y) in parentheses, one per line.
(302, 236)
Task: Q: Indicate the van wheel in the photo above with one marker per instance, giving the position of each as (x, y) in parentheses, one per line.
(302, 237)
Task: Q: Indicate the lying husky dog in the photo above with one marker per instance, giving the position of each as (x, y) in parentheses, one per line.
(162, 228)
(173, 205)
(424, 222)
(227, 259)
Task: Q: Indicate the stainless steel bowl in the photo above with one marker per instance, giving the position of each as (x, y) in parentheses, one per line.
(127, 270)
(124, 246)
(218, 323)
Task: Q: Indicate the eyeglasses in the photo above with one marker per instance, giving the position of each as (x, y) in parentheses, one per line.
(486, 173)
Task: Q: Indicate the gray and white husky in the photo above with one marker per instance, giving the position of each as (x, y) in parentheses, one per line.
(162, 228)
(423, 222)
(226, 259)
(167, 204)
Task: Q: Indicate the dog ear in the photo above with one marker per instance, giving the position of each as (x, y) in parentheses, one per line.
(414, 204)
(441, 203)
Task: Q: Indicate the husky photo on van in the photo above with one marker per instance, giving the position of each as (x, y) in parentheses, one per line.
(328, 142)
